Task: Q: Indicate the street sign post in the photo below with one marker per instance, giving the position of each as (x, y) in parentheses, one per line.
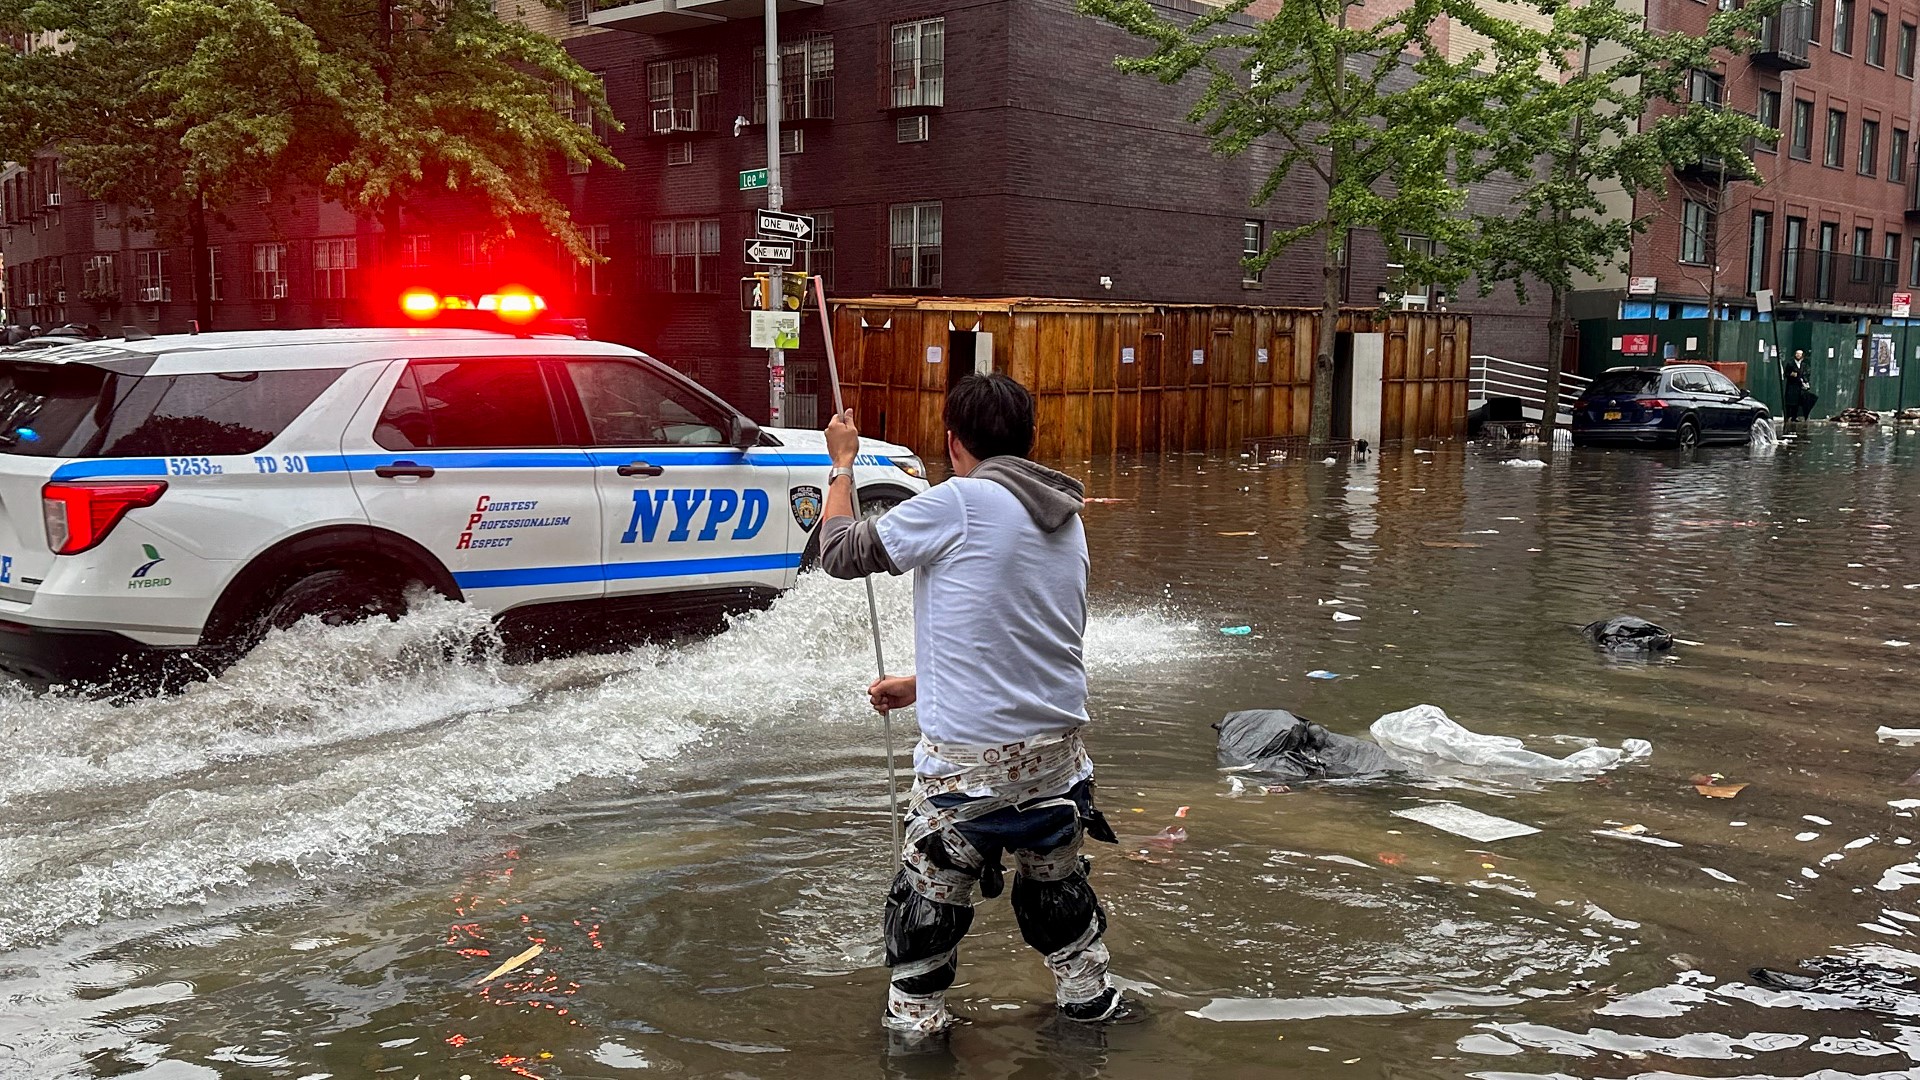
(765, 252)
(796, 227)
(754, 179)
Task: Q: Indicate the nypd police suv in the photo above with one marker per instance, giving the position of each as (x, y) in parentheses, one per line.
(180, 496)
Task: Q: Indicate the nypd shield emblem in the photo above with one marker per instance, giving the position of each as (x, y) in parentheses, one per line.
(806, 507)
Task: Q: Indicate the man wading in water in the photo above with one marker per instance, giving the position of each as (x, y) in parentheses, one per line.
(999, 612)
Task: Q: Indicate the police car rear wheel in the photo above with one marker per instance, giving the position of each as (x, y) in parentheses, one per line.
(337, 597)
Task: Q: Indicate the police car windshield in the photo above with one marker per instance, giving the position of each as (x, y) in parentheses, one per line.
(81, 410)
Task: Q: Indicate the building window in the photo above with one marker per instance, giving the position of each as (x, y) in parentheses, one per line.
(1913, 262)
(684, 95)
(1758, 250)
(1253, 241)
(1862, 251)
(99, 279)
(1897, 157)
(820, 252)
(577, 11)
(1903, 52)
(686, 255)
(578, 107)
(1696, 227)
(333, 263)
(474, 250)
(1801, 146)
(1397, 263)
(216, 283)
(1766, 109)
(1877, 38)
(920, 63)
(915, 232)
(416, 250)
(1869, 147)
(595, 279)
(1796, 235)
(1843, 27)
(1836, 138)
(806, 80)
(269, 271)
(1890, 256)
(680, 153)
(1706, 87)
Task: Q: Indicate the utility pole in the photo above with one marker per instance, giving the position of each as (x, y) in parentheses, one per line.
(777, 358)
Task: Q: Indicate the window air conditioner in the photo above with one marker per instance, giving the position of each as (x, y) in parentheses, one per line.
(670, 121)
(53, 200)
(279, 290)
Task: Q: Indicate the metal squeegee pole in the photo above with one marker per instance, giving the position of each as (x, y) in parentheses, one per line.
(873, 606)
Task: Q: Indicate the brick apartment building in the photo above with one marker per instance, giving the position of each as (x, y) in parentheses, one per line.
(1831, 229)
(984, 148)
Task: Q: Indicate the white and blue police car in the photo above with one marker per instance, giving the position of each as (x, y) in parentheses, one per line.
(175, 498)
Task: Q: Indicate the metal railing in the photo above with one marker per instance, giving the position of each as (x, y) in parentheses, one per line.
(1785, 37)
(1813, 276)
(1493, 377)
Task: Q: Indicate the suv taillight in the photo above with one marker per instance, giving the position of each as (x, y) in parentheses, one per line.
(80, 515)
(1653, 404)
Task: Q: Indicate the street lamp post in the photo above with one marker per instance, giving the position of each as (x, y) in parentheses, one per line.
(776, 358)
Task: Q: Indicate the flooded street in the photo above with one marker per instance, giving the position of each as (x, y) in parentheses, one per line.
(306, 868)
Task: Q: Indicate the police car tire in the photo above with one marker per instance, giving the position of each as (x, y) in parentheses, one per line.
(336, 595)
(873, 502)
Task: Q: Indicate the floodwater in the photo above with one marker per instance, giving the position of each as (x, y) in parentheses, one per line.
(306, 868)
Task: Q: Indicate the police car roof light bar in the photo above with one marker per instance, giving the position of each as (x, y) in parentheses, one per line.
(873, 606)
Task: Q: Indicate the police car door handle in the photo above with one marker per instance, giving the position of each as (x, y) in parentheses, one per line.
(639, 468)
(403, 468)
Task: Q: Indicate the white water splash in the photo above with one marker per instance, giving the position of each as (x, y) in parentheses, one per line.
(328, 743)
(1763, 439)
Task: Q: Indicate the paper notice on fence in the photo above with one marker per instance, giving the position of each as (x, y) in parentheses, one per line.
(1460, 821)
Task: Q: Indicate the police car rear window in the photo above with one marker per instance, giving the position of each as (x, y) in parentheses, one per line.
(82, 411)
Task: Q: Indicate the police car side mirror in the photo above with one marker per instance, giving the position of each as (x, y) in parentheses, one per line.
(745, 433)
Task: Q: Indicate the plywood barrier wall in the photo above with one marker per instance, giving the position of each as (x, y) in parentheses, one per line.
(1135, 378)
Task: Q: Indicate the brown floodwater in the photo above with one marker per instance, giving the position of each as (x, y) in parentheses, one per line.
(306, 868)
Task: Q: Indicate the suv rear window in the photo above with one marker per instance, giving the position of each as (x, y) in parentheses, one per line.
(83, 411)
(1625, 382)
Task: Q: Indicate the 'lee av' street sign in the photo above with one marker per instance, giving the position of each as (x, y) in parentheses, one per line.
(753, 179)
(770, 252)
(786, 226)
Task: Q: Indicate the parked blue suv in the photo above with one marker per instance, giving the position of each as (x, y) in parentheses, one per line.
(1685, 405)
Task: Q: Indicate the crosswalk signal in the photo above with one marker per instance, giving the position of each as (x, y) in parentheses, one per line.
(797, 292)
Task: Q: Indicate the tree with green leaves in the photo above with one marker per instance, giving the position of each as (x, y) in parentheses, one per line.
(178, 105)
(1375, 118)
(1611, 110)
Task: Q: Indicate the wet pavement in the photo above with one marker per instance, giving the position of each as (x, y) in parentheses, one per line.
(306, 869)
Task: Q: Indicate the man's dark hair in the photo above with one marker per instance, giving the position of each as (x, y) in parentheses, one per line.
(991, 415)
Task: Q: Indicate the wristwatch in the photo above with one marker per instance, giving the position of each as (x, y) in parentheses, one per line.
(836, 473)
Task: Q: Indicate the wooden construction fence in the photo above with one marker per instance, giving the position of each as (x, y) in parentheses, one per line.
(1123, 378)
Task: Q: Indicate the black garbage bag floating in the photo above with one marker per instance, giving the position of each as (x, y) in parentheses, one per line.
(1274, 742)
(1848, 983)
(1624, 633)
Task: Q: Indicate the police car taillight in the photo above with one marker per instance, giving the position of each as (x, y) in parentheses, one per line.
(80, 514)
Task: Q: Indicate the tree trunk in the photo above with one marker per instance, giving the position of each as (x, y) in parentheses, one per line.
(1320, 422)
(197, 248)
(1556, 349)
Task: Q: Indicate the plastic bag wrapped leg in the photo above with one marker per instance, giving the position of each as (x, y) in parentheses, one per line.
(923, 937)
(1062, 919)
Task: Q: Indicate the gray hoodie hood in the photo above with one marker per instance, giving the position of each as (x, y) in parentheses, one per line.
(1051, 498)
